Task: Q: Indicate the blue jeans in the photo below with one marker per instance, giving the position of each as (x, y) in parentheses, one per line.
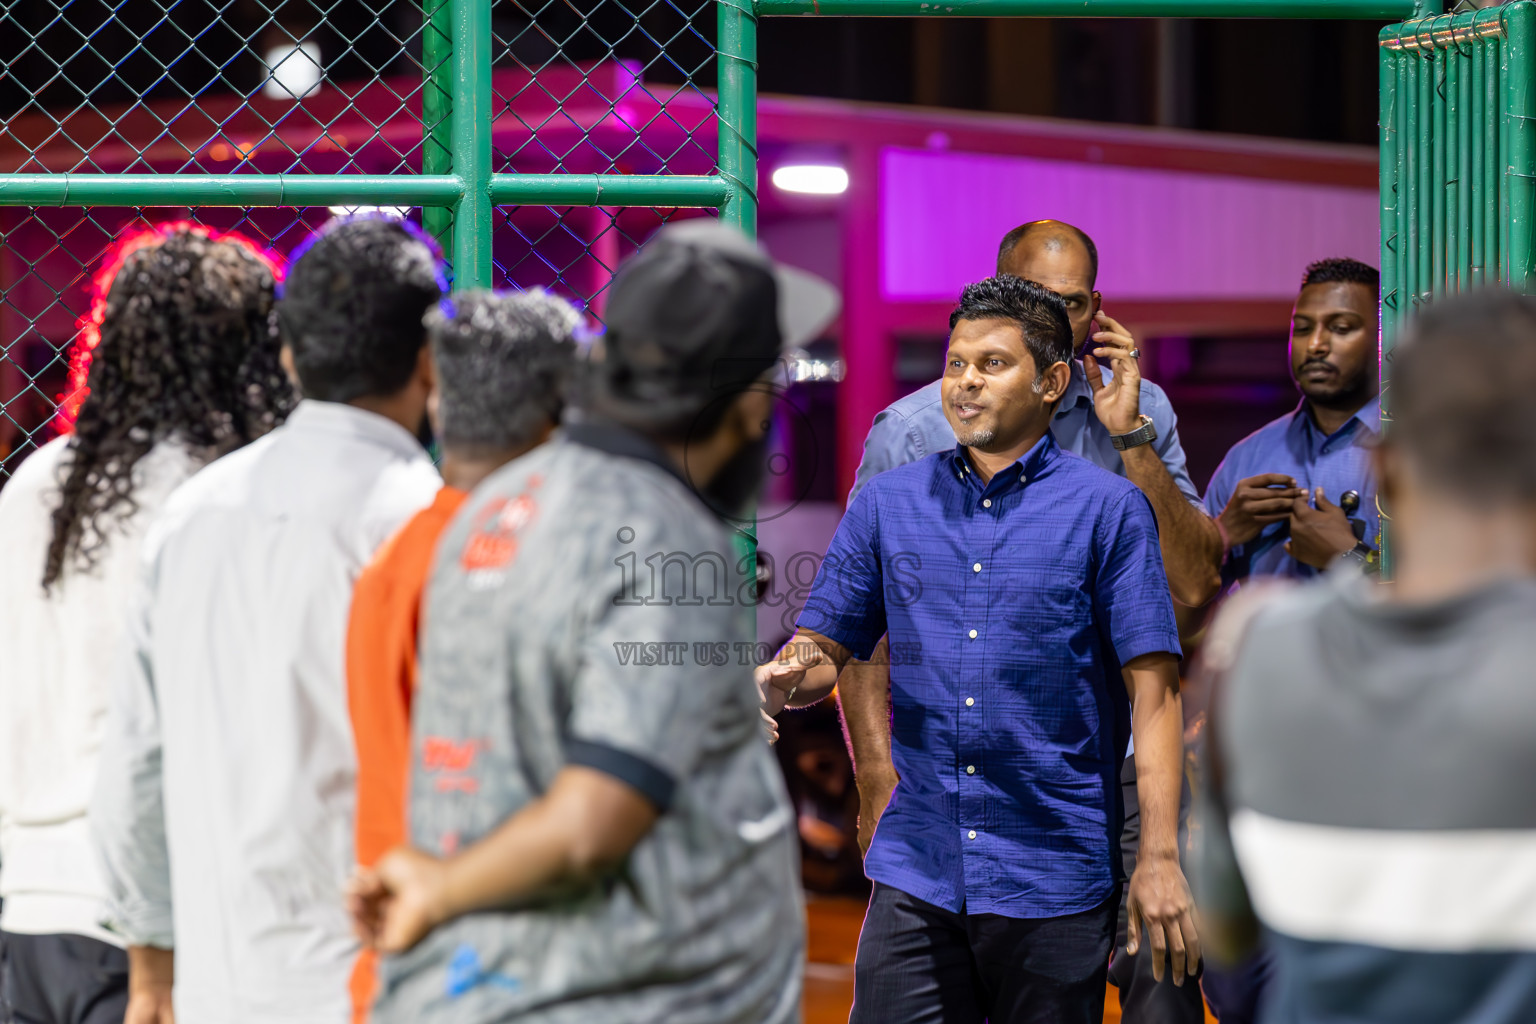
(920, 964)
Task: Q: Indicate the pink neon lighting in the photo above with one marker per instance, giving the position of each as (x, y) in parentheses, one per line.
(1161, 234)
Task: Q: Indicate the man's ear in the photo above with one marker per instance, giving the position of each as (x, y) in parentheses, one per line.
(754, 413)
(1098, 303)
(1054, 382)
(1387, 464)
(426, 371)
(285, 359)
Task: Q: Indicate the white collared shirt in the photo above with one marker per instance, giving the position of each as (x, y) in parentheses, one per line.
(225, 810)
(57, 652)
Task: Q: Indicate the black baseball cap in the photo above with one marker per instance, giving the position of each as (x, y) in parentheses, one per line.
(700, 312)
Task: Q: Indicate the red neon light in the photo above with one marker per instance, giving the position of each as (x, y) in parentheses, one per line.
(88, 327)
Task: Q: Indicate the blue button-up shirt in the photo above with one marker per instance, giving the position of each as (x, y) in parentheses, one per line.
(1294, 445)
(1011, 608)
(914, 427)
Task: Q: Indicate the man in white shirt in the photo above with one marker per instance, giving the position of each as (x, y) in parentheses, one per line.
(198, 310)
(225, 806)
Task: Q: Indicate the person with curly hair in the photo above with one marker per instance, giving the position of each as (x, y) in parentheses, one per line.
(504, 363)
(224, 813)
(184, 368)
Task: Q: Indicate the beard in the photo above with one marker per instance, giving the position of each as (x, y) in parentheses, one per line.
(976, 437)
(732, 492)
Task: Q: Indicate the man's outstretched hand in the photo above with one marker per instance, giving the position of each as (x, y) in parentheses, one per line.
(1160, 902)
(398, 901)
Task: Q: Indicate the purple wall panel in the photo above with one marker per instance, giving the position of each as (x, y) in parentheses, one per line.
(1161, 234)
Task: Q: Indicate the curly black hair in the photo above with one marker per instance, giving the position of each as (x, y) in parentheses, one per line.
(188, 350)
(504, 363)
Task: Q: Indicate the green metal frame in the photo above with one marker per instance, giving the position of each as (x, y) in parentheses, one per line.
(457, 190)
(1458, 162)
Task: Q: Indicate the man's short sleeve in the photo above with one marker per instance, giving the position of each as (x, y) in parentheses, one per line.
(890, 443)
(847, 600)
(1168, 446)
(1131, 588)
(660, 677)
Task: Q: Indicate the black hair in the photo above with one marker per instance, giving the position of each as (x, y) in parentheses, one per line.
(1013, 238)
(1342, 270)
(1466, 428)
(351, 308)
(504, 362)
(188, 350)
(1040, 314)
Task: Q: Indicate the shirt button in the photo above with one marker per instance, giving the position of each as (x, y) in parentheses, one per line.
(970, 769)
(973, 634)
(986, 502)
(971, 834)
(969, 701)
(976, 567)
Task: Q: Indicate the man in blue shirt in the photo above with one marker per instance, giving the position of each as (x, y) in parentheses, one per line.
(1026, 587)
(1298, 492)
(1279, 497)
(1105, 398)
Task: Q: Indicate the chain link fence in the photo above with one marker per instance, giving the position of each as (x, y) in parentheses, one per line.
(270, 116)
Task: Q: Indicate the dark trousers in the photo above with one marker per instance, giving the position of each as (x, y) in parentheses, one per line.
(1238, 994)
(1144, 999)
(61, 979)
(919, 964)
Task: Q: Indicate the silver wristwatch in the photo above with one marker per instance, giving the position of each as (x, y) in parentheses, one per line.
(1144, 434)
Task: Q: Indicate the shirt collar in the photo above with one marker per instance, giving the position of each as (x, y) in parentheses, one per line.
(610, 437)
(1368, 417)
(339, 418)
(1030, 465)
(1078, 391)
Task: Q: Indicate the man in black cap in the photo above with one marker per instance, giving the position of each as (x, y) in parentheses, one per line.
(599, 831)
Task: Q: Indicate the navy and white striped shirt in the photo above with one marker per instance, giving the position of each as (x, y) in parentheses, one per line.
(1376, 808)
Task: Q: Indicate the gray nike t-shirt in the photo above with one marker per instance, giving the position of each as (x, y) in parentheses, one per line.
(585, 609)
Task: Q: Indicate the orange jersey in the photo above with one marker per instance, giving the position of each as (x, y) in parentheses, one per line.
(381, 679)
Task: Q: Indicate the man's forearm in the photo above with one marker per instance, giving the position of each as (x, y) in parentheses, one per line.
(1190, 542)
(864, 698)
(1157, 723)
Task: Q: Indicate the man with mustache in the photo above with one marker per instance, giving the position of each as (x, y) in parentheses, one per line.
(1043, 617)
(1298, 492)
(1279, 497)
(1113, 418)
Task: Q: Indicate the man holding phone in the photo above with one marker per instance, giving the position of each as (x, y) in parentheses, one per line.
(1299, 492)
(1112, 417)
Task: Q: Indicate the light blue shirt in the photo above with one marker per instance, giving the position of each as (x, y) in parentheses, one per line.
(1294, 445)
(914, 427)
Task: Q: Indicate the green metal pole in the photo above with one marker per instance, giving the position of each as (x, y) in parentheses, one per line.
(664, 190)
(229, 190)
(471, 138)
(1387, 63)
(436, 110)
(1519, 22)
(1493, 179)
(736, 45)
(1411, 141)
(1423, 210)
(1458, 204)
(1438, 182)
(1478, 190)
(1378, 10)
(737, 62)
(1387, 127)
(1403, 94)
